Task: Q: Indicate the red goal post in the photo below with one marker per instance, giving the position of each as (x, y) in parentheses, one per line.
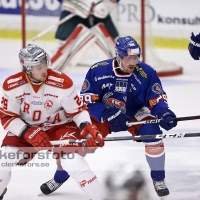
(144, 36)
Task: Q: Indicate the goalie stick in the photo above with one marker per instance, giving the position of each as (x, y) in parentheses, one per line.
(138, 137)
(155, 121)
(62, 21)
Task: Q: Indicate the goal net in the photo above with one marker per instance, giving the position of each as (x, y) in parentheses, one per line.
(131, 17)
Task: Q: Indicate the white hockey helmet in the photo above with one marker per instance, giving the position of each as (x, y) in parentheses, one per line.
(33, 55)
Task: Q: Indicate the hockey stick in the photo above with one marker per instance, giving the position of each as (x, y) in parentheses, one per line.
(154, 121)
(138, 137)
(62, 21)
(53, 26)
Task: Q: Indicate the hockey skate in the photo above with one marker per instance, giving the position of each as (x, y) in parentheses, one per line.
(49, 187)
(5, 190)
(160, 188)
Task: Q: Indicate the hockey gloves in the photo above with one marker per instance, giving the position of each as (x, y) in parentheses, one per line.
(167, 117)
(37, 138)
(116, 119)
(95, 138)
(194, 46)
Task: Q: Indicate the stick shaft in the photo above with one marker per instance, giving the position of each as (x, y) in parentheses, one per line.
(53, 26)
(139, 137)
(155, 121)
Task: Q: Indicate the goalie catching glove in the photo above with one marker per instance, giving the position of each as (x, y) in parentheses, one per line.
(37, 138)
(93, 135)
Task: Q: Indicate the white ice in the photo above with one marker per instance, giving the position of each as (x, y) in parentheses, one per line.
(182, 155)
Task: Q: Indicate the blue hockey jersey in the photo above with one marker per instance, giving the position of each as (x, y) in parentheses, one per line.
(105, 88)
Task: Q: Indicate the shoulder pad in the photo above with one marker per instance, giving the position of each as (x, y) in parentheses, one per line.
(15, 81)
(58, 79)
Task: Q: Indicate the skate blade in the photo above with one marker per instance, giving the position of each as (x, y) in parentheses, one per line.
(163, 198)
(41, 194)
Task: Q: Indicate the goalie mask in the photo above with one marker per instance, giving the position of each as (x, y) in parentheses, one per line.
(126, 46)
(32, 55)
(127, 183)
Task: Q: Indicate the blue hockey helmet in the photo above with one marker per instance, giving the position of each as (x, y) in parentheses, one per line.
(126, 46)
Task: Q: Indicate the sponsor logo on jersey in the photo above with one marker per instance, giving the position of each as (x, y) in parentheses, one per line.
(133, 87)
(54, 83)
(51, 95)
(22, 96)
(120, 87)
(37, 103)
(136, 78)
(141, 72)
(61, 80)
(99, 64)
(157, 88)
(14, 80)
(103, 77)
(116, 102)
(16, 84)
(48, 104)
(107, 85)
(86, 85)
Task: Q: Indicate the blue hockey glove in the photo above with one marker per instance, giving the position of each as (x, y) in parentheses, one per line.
(167, 117)
(194, 46)
(116, 119)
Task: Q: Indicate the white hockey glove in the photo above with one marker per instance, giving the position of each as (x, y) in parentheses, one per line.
(102, 9)
(81, 8)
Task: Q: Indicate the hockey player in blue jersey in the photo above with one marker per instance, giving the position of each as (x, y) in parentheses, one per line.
(194, 46)
(125, 89)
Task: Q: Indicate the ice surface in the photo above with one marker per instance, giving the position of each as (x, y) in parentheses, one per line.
(182, 155)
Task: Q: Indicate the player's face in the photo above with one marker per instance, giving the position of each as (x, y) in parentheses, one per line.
(129, 62)
(39, 72)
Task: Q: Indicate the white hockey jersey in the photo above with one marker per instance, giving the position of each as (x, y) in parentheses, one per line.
(56, 101)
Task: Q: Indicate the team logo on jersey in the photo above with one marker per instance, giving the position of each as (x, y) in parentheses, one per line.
(86, 85)
(48, 104)
(120, 87)
(157, 88)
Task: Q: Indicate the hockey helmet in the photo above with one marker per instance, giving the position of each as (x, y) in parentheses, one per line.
(32, 55)
(126, 46)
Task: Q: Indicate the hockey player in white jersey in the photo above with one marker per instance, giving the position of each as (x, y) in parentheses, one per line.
(39, 105)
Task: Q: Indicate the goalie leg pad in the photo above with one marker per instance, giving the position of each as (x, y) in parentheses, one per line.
(73, 49)
(104, 40)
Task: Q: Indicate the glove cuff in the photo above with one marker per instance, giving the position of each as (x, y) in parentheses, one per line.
(24, 131)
